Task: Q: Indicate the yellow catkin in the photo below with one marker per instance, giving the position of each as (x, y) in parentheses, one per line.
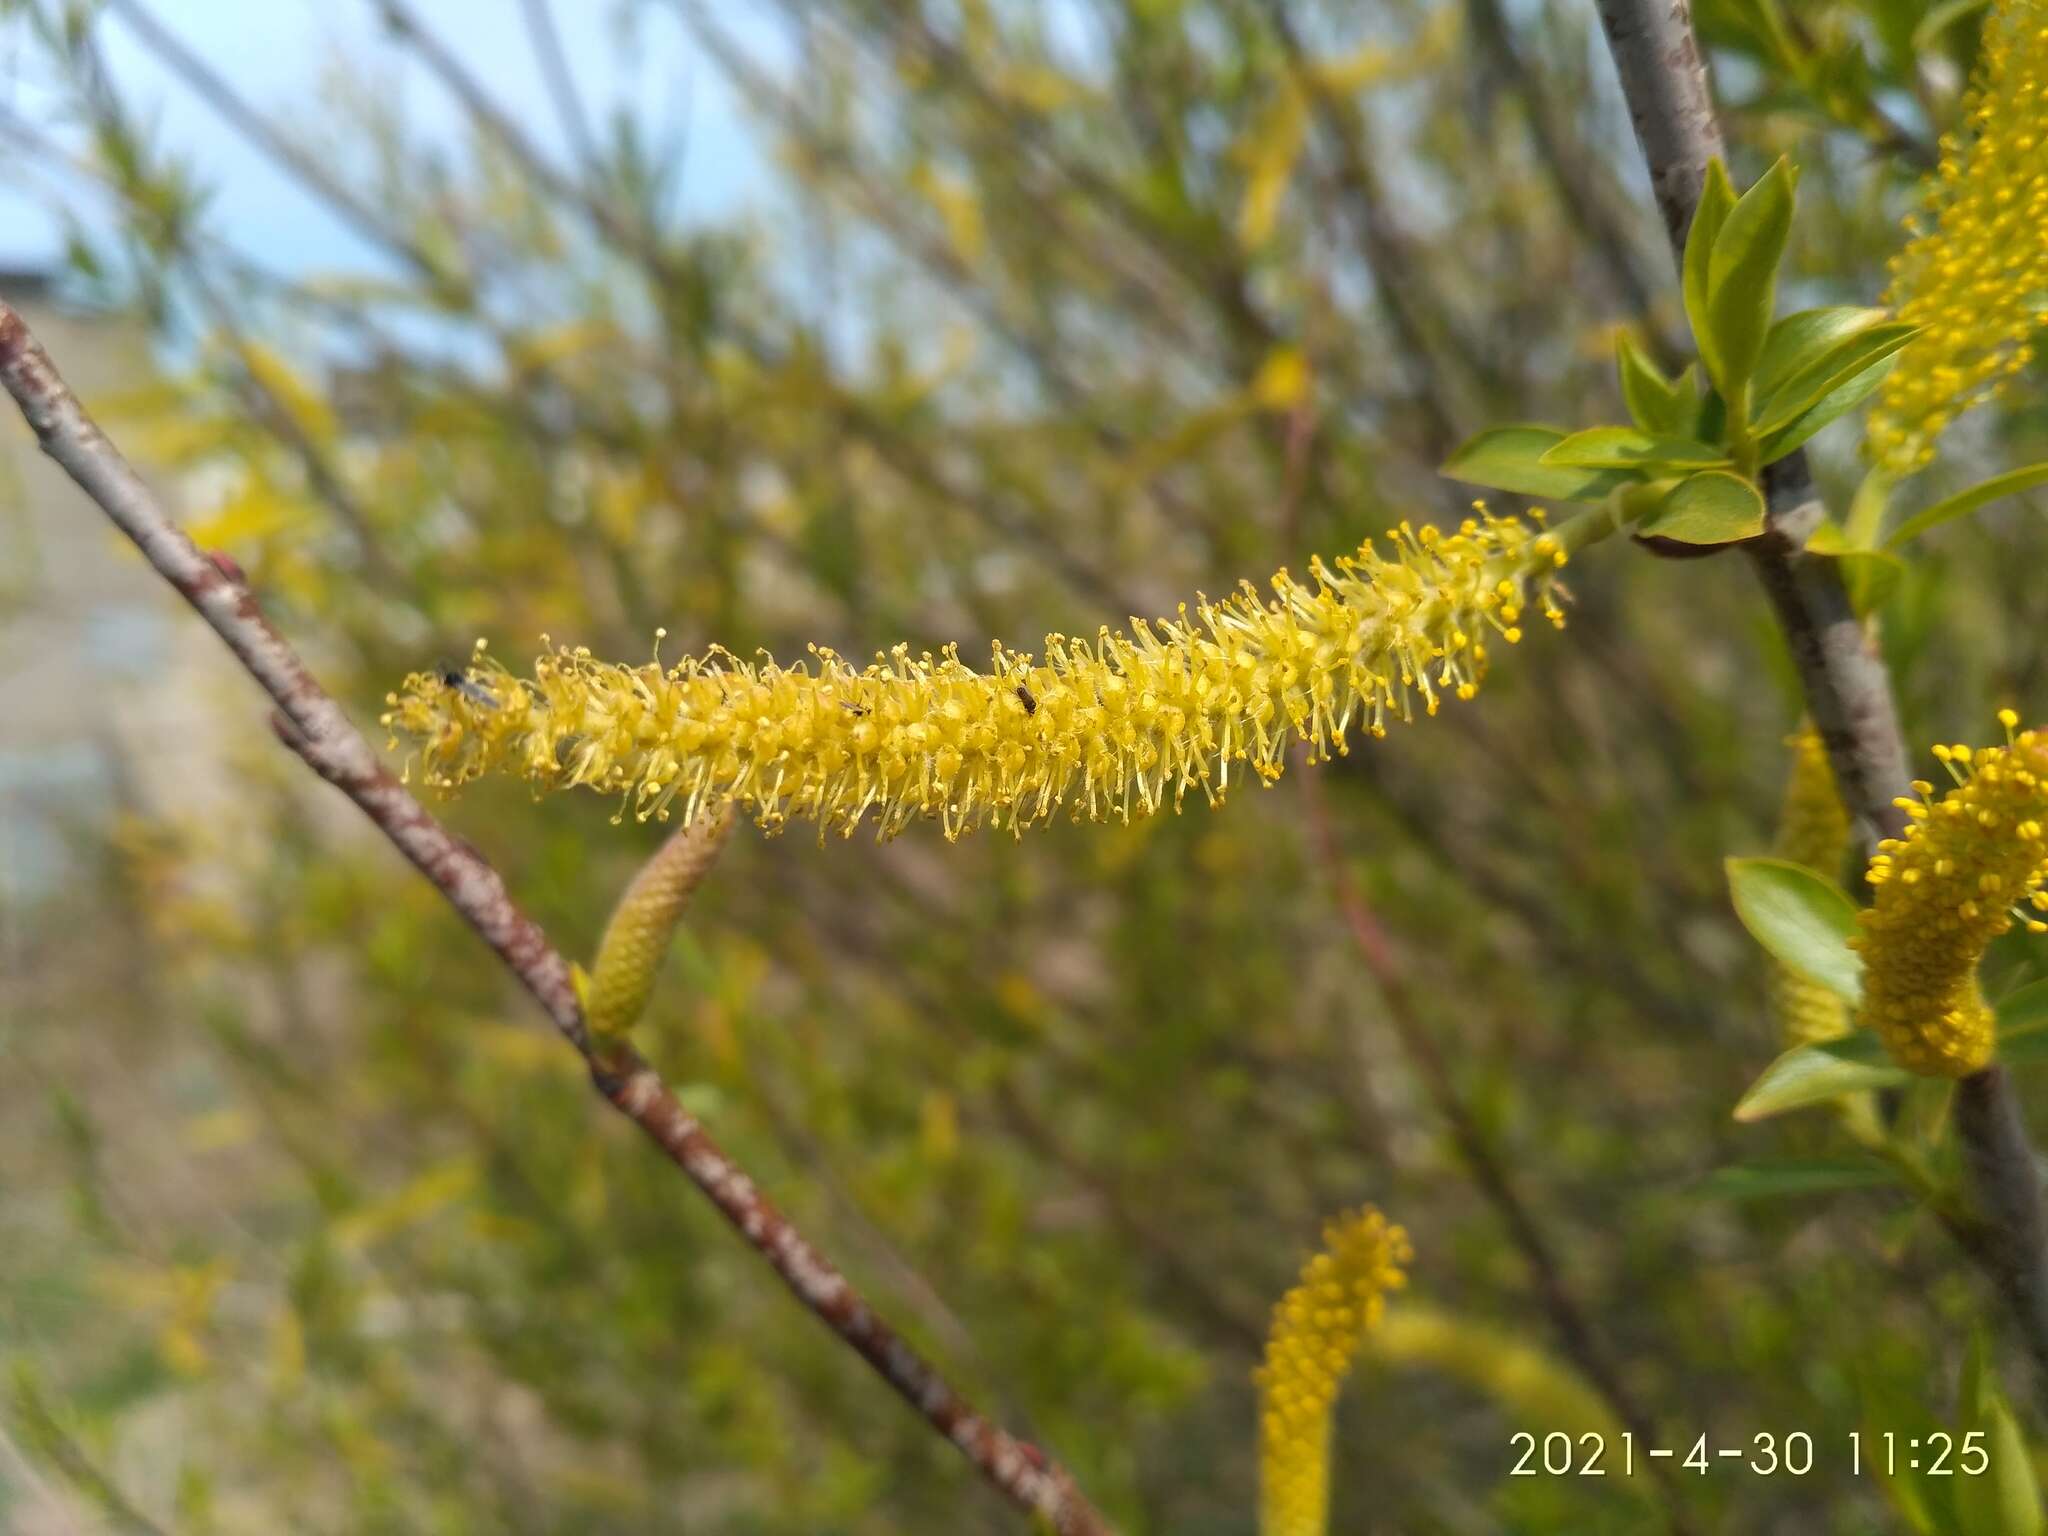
(637, 937)
(1969, 864)
(1316, 1331)
(1975, 270)
(1813, 829)
(1110, 728)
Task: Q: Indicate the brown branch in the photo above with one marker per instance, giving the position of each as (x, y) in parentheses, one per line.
(316, 728)
(1402, 289)
(1574, 1330)
(1848, 691)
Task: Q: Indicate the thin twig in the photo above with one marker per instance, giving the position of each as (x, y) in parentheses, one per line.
(546, 39)
(1582, 192)
(1575, 1331)
(1848, 691)
(259, 131)
(315, 727)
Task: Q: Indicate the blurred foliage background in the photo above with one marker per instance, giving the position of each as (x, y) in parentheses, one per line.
(1052, 314)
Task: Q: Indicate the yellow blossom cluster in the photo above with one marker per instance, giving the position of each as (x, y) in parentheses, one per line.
(1110, 728)
(1957, 880)
(1975, 271)
(1316, 1330)
(1813, 829)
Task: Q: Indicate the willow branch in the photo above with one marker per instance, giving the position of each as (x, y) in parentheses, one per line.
(1848, 691)
(561, 84)
(1574, 1329)
(305, 167)
(316, 728)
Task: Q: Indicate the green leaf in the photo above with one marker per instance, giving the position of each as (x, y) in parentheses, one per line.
(1628, 448)
(1742, 275)
(1867, 508)
(1710, 421)
(2023, 1026)
(1656, 404)
(1871, 575)
(1846, 360)
(1819, 1074)
(1717, 198)
(2011, 483)
(1799, 339)
(1770, 1179)
(1940, 18)
(2004, 1499)
(1511, 459)
(1713, 507)
(1843, 399)
(1803, 918)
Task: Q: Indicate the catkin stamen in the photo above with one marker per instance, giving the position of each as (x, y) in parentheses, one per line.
(1121, 726)
(1315, 1332)
(1944, 891)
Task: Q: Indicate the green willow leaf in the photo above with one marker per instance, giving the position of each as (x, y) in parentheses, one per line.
(1803, 918)
(2023, 1026)
(1511, 459)
(1808, 1075)
(2011, 483)
(1829, 408)
(1846, 360)
(1871, 575)
(1940, 18)
(1630, 448)
(1655, 403)
(1768, 1180)
(2004, 1497)
(1799, 339)
(1742, 275)
(1717, 198)
(1712, 507)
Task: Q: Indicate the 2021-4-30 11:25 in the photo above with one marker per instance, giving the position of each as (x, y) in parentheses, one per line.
(1937, 1453)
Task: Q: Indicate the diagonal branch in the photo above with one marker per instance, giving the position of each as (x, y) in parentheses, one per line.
(1575, 1330)
(1848, 691)
(315, 727)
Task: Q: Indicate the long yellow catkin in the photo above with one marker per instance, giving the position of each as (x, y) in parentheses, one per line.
(1110, 728)
(1813, 829)
(1975, 271)
(1315, 1333)
(1968, 866)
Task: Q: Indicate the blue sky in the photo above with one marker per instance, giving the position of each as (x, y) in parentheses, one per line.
(278, 54)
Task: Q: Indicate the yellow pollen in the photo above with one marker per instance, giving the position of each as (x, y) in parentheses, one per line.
(1925, 932)
(1974, 269)
(1120, 726)
(1316, 1329)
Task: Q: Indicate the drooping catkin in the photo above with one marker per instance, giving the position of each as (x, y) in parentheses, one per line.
(1108, 729)
(1315, 1333)
(1974, 273)
(1813, 829)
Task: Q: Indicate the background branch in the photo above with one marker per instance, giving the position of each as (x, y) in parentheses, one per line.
(315, 727)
